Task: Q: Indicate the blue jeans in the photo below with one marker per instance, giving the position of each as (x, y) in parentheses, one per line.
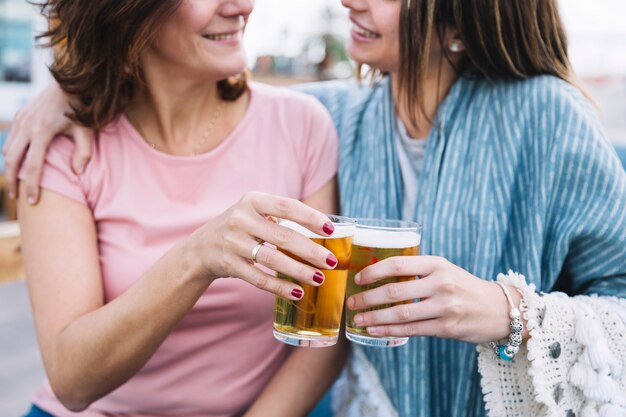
(322, 410)
(37, 412)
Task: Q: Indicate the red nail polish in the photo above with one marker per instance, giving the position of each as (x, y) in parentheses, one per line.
(328, 228)
(318, 277)
(297, 293)
(331, 260)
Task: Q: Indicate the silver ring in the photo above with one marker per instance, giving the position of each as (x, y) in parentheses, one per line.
(255, 251)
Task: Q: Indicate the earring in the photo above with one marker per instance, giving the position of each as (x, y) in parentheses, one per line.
(455, 46)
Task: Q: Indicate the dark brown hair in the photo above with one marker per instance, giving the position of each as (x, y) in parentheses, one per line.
(97, 47)
(504, 40)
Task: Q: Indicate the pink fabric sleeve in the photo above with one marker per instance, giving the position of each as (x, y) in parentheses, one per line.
(57, 174)
(322, 151)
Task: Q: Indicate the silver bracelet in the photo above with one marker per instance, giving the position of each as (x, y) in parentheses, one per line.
(507, 351)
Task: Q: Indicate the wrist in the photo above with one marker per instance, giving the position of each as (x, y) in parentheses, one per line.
(507, 350)
(517, 300)
(190, 255)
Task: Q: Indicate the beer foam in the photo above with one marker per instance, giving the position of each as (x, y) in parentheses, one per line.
(386, 239)
(340, 231)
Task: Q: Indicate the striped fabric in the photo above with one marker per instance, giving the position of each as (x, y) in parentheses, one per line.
(517, 175)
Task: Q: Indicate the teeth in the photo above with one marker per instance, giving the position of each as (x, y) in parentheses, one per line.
(365, 32)
(221, 37)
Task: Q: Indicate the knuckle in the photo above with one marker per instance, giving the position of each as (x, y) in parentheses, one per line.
(20, 115)
(409, 329)
(233, 220)
(263, 282)
(284, 207)
(440, 261)
(267, 257)
(247, 198)
(447, 286)
(305, 272)
(403, 312)
(276, 286)
(31, 169)
(311, 217)
(37, 131)
(10, 160)
(282, 236)
(228, 243)
(397, 265)
(454, 309)
(321, 253)
(393, 291)
(447, 327)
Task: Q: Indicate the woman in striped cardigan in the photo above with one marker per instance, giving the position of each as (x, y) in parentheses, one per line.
(474, 126)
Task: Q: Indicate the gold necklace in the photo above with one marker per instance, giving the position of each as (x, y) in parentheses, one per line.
(196, 149)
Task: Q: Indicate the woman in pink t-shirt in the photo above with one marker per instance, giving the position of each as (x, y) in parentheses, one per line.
(189, 168)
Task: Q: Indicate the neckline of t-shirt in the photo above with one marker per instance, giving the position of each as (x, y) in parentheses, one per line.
(408, 140)
(232, 136)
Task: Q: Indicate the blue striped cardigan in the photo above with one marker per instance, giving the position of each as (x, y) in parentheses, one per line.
(517, 176)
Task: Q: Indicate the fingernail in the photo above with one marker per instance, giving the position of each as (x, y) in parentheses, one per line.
(11, 195)
(357, 278)
(297, 293)
(372, 330)
(328, 228)
(318, 277)
(358, 319)
(31, 200)
(350, 303)
(331, 260)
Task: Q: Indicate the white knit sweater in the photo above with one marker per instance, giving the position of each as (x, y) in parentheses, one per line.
(572, 365)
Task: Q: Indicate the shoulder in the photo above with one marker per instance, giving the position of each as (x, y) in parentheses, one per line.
(549, 98)
(337, 94)
(290, 114)
(284, 98)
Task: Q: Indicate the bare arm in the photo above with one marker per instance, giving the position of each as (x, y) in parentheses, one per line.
(308, 372)
(90, 348)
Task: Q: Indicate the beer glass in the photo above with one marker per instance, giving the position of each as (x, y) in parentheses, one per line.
(314, 320)
(375, 240)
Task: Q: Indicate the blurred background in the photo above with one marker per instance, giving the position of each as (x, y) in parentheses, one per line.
(287, 42)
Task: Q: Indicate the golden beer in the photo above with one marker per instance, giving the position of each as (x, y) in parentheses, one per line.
(374, 241)
(315, 319)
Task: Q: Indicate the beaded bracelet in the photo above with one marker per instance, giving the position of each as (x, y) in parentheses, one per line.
(507, 351)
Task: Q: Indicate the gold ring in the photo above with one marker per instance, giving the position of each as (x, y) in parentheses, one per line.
(255, 251)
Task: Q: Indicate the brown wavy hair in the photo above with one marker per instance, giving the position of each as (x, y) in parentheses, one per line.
(504, 40)
(97, 48)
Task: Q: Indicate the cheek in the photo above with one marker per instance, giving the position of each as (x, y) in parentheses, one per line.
(389, 26)
(393, 51)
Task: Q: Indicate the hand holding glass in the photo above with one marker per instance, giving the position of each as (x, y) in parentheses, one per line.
(375, 240)
(315, 319)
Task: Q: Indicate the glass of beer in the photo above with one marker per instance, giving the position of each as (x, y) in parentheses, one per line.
(374, 241)
(314, 320)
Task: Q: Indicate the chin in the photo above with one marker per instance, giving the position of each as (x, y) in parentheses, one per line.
(361, 56)
(228, 68)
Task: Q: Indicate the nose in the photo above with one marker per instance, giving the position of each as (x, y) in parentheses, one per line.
(236, 8)
(355, 5)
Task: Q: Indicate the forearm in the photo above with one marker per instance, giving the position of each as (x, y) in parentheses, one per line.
(301, 382)
(101, 350)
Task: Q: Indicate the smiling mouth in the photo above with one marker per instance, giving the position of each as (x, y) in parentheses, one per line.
(223, 36)
(360, 30)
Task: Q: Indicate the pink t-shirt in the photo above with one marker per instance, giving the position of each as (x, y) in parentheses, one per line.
(222, 354)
